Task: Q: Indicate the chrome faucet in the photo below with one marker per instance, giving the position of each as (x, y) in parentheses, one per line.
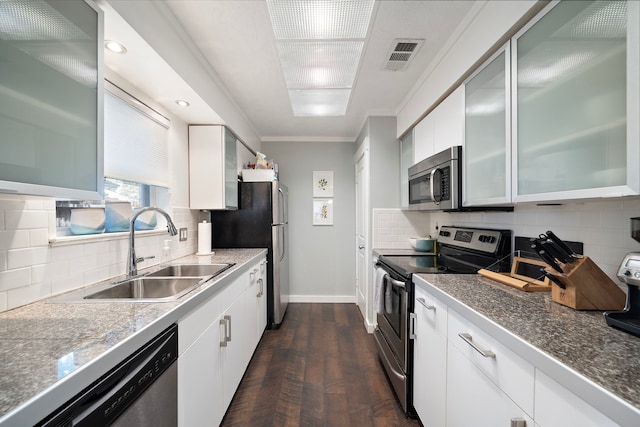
(132, 259)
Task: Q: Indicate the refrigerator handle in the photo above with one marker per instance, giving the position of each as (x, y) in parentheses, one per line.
(283, 206)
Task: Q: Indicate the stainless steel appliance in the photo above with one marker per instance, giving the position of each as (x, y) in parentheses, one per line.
(261, 221)
(628, 319)
(435, 183)
(141, 391)
(461, 250)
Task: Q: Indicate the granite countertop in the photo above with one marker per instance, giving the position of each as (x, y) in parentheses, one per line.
(599, 363)
(50, 351)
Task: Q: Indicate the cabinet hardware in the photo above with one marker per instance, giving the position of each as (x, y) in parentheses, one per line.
(428, 307)
(252, 274)
(226, 321)
(259, 294)
(518, 422)
(412, 326)
(469, 340)
(361, 246)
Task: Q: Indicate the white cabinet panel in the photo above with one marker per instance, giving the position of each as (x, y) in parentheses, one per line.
(213, 168)
(430, 358)
(475, 400)
(423, 139)
(510, 372)
(558, 407)
(262, 299)
(448, 127)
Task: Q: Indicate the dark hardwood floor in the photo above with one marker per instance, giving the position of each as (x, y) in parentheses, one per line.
(319, 369)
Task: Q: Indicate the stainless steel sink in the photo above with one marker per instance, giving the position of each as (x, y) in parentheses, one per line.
(191, 270)
(144, 288)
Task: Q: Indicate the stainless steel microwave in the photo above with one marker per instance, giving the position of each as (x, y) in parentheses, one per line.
(435, 183)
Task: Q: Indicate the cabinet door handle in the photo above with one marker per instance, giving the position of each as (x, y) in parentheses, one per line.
(469, 340)
(412, 326)
(259, 294)
(428, 307)
(518, 422)
(228, 319)
(223, 341)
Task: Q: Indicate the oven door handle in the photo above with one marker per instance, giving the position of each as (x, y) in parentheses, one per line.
(394, 282)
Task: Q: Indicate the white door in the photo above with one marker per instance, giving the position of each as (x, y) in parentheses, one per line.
(362, 225)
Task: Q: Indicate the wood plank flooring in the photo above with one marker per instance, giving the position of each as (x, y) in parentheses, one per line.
(319, 369)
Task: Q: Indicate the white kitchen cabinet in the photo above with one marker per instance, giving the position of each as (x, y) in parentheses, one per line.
(216, 342)
(473, 399)
(51, 106)
(406, 161)
(487, 384)
(508, 371)
(430, 358)
(441, 128)
(558, 407)
(213, 168)
(261, 296)
(487, 141)
(577, 102)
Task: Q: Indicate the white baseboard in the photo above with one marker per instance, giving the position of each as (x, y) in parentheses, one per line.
(370, 326)
(323, 298)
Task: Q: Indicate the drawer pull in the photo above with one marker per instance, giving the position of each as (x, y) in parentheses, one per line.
(518, 422)
(428, 307)
(469, 340)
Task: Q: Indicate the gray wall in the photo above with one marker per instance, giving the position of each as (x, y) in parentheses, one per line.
(322, 258)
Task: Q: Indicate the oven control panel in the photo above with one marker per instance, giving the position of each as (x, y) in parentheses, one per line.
(470, 238)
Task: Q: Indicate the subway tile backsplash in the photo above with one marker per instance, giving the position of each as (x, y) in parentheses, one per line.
(603, 226)
(31, 269)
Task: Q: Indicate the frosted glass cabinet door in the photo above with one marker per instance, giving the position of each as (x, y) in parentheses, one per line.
(406, 161)
(575, 69)
(50, 98)
(230, 170)
(487, 171)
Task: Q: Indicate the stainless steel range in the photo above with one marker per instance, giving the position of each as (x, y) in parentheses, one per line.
(462, 250)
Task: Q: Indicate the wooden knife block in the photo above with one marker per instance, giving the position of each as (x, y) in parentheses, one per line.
(587, 287)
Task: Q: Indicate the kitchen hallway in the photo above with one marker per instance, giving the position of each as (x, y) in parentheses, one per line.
(319, 369)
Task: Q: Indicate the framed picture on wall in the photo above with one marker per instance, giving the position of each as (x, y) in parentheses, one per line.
(322, 211)
(322, 183)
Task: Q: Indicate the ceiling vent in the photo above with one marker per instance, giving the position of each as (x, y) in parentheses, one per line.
(401, 53)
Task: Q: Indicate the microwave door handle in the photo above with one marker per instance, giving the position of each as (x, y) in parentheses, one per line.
(431, 186)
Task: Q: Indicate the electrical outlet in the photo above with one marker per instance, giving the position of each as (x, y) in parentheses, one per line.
(183, 234)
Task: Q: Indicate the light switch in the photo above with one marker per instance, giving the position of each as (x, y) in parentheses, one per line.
(183, 234)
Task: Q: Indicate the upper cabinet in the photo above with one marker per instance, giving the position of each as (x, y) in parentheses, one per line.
(576, 97)
(442, 128)
(406, 161)
(51, 99)
(213, 168)
(487, 141)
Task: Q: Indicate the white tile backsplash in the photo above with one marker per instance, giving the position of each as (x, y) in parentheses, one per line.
(603, 226)
(31, 269)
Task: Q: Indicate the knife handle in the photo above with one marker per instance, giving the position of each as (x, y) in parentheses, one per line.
(555, 251)
(558, 241)
(545, 256)
(554, 279)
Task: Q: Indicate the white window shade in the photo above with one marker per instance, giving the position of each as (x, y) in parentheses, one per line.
(135, 146)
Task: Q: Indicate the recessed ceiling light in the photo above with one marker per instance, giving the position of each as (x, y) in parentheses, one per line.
(182, 103)
(114, 46)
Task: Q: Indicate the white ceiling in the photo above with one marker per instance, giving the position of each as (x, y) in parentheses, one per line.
(237, 40)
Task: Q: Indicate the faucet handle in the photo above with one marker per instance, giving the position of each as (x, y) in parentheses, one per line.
(142, 258)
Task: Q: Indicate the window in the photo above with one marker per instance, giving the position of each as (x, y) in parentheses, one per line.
(136, 162)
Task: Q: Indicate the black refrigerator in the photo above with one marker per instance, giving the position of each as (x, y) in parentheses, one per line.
(261, 221)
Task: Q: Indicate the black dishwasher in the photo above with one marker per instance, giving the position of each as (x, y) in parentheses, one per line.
(142, 391)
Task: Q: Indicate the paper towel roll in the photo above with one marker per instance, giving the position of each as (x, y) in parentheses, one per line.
(204, 238)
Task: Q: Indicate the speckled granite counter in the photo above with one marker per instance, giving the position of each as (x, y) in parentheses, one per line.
(596, 362)
(51, 351)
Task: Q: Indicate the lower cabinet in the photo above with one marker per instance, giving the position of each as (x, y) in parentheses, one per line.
(216, 345)
(430, 354)
(261, 296)
(558, 407)
(473, 399)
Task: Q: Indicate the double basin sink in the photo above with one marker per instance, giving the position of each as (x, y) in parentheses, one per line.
(167, 284)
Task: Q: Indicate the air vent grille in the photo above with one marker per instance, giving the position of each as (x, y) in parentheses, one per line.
(401, 53)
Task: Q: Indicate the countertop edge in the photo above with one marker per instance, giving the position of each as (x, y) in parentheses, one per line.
(44, 403)
(594, 394)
